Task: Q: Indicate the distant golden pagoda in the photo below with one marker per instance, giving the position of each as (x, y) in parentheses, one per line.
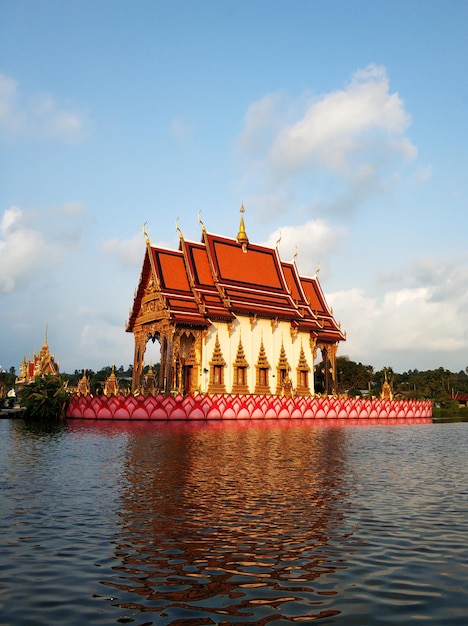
(41, 364)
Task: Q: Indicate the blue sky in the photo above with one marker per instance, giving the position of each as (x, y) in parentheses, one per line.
(340, 125)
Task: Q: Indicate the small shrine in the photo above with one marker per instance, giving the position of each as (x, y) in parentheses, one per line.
(149, 382)
(387, 391)
(111, 384)
(83, 387)
(231, 317)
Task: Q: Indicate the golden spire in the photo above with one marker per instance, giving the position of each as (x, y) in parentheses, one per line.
(242, 238)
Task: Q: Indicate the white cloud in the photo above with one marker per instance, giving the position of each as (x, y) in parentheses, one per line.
(101, 341)
(341, 127)
(32, 244)
(262, 121)
(39, 116)
(74, 208)
(23, 251)
(313, 241)
(427, 319)
(341, 146)
(128, 252)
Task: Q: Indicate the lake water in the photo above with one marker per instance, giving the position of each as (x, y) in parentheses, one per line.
(233, 523)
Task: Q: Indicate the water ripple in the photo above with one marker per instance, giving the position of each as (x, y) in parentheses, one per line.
(272, 523)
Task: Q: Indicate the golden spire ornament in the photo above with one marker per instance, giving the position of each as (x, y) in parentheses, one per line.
(242, 238)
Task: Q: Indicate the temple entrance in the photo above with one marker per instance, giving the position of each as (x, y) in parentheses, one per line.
(186, 362)
(187, 374)
(153, 350)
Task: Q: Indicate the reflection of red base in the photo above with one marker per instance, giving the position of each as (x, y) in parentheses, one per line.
(249, 407)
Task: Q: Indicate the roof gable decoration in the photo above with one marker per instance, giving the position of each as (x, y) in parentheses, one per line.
(149, 302)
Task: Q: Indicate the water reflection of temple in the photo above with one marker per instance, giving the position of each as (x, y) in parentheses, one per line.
(226, 515)
(231, 317)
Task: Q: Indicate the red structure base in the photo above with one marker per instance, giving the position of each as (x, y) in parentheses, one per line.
(248, 407)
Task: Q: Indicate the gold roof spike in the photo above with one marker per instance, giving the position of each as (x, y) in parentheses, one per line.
(242, 238)
(200, 221)
(147, 239)
(178, 228)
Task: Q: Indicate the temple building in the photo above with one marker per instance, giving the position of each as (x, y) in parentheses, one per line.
(40, 365)
(231, 317)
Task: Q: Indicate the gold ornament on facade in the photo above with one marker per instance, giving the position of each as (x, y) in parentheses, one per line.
(217, 365)
(262, 384)
(293, 330)
(283, 382)
(240, 366)
(302, 372)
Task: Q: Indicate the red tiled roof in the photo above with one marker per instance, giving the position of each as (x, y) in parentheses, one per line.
(315, 297)
(171, 270)
(216, 279)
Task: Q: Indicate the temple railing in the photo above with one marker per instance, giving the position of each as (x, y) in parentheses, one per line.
(245, 407)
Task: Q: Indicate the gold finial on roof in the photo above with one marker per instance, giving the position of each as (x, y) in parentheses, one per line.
(278, 240)
(295, 256)
(178, 228)
(145, 234)
(242, 238)
(200, 221)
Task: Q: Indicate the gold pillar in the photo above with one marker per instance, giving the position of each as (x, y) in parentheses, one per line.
(138, 359)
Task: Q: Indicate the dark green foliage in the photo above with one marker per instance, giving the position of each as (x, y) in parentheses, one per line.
(44, 399)
(7, 382)
(97, 379)
(352, 377)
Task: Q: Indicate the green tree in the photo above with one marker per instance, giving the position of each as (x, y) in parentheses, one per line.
(351, 376)
(45, 398)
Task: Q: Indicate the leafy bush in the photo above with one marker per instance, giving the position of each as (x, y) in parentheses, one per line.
(45, 398)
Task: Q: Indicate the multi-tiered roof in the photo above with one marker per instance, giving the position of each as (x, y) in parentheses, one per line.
(219, 278)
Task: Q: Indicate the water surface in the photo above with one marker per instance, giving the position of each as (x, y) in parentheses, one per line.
(226, 522)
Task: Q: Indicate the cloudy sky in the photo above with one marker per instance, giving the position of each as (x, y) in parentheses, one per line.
(340, 125)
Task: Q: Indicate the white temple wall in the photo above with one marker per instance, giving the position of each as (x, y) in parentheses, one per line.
(273, 338)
